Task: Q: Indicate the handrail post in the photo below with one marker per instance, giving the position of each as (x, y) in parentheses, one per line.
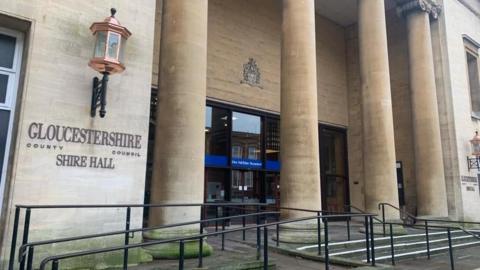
(348, 229)
(182, 255)
(127, 228)
(216, 217)
(372, 242)
(319, 234)
(200, 247)
(223, 234)
(265, 248)
(383, 218)
(258, 233)
(243, 224)
(367, 245)
(427, 238)
(30, 257)
(277, 230)
(26, 228)
(392, 246)
(327, 259)
(55, 265)
(450, 250)
(14, 238)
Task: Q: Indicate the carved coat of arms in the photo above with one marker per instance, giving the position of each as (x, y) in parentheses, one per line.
(251, 73)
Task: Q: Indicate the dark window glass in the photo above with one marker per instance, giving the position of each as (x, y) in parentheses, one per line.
(7, 51)
(215, 181)
(246, 139)
(4, 119)
(3, 87)
(216, 189)
(474, 83)
(333, 164)
(272, 188)
(216, 131)
(272, 145)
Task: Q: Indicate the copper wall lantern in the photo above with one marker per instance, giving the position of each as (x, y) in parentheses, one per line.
(474, 162)
(110, 38)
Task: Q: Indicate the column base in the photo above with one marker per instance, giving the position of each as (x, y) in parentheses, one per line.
(299, 233)
(172, 250)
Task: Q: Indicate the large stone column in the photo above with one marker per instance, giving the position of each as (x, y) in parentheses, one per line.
(178, 169)
(300, 171)
(378, 139)
(429, 170)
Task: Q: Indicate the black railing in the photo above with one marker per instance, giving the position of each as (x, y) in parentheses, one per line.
(426, 227)
(27, 249)
(24, 253)
(55, 260)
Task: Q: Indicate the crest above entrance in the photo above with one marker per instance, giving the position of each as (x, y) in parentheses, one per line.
(251, 73)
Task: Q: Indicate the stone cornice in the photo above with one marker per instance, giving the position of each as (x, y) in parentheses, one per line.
(405, 7)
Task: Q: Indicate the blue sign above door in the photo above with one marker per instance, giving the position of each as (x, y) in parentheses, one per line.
(247, 163)
(216, 161)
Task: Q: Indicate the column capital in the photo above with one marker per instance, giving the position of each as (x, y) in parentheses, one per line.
(405, 7)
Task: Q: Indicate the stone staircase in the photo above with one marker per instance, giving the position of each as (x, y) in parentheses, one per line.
(406, 246)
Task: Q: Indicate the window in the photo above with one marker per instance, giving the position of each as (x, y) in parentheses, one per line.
(10, 59)
(236, 178)
(246, 133)
(471, 49)
(237, 151)
(249, 179)
(253, 152)
(216, 136)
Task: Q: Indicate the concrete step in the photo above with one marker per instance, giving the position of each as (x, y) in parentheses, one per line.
(380, 241)
(408, 247)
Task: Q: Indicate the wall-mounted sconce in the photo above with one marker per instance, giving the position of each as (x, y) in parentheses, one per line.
(107, 58)
(474, 162)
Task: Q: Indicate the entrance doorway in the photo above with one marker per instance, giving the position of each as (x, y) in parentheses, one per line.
(333, 168)
(242, 149)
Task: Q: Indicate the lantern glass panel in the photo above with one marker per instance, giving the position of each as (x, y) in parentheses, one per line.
(476, 147)
(121, 57)
(113, 43)
(100, 45)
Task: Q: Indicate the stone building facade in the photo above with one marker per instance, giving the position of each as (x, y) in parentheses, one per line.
(324, 103)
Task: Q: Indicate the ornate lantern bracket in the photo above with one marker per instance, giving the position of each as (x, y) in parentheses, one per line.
(110, 39)
(99, 94)
(474, 162)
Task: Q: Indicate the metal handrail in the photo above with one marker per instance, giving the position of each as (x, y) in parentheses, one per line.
(23, 248)
(349, 206)
(426, 227)
(128, 207)
(55, 206)
(200, 236)
(402, 212)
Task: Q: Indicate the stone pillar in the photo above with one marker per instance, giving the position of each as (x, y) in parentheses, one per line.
(378, 140)
(300, 171)
(429, 170)
(178, 169)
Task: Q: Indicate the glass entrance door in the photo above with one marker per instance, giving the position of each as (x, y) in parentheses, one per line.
(333, 169)
(245, 186)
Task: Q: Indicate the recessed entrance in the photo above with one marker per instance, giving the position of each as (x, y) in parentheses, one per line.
(333, 168)
(241, 156)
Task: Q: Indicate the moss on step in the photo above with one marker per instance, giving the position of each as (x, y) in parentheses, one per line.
(172, 250)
